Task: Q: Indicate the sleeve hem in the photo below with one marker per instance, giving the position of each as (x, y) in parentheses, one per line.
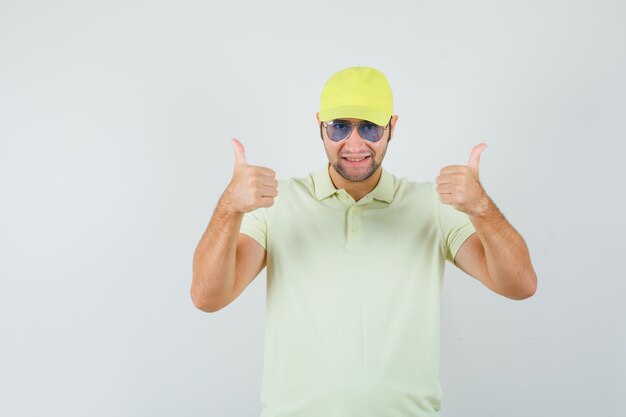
(254, 236)
(467, 231)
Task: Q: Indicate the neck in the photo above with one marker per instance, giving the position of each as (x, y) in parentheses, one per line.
(356, 189)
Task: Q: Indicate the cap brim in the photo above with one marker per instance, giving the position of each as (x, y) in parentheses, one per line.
(379, 117)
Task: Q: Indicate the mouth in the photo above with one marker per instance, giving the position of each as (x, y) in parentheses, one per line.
(356, 161)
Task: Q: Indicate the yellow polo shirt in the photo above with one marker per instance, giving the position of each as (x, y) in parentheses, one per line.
(353, 293)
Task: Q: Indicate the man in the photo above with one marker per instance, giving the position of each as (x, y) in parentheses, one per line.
(355, 260)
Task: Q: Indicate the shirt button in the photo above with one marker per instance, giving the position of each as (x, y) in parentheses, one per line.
(354, 228)
(345, 196)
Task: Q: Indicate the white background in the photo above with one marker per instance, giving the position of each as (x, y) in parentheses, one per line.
(115, 127)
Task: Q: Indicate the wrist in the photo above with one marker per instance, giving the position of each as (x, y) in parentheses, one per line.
(226, 205)
(485, 208)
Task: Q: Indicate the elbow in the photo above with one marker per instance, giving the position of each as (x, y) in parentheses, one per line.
(527, 291)
(531, 285)
(204, 303)
(533, 288)
(204, 296)
(521, 295)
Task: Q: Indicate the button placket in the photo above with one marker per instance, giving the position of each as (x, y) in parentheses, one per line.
(345, 198)
(354, 223)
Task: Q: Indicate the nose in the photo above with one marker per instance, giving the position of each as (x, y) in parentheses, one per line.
(354, 141)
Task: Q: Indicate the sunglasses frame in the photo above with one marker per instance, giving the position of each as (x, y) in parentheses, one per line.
(352, 125)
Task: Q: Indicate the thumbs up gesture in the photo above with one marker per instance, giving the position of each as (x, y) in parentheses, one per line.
(251, 186)
(460, 186)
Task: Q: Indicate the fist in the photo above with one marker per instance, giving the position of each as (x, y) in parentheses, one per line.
(251, 186)
(459, 185)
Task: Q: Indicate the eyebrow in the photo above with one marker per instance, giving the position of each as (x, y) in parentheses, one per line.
(348, 120)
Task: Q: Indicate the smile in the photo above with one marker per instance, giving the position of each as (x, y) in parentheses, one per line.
(356, 161)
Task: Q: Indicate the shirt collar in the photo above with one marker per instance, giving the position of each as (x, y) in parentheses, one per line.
(324, 186)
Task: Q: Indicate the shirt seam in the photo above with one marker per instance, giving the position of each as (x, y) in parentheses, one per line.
(272, 212)
(442, 243)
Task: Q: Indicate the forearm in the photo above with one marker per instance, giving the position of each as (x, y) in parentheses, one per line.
(214, 260)
(506, 253)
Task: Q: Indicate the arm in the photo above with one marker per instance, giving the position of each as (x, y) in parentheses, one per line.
(225, 261)
(214, 260)
(497, 255)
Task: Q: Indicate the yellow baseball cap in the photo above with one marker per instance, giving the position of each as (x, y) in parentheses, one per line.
(357, 92)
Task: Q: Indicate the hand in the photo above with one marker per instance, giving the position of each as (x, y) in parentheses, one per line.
(251, 186)
(459, 185)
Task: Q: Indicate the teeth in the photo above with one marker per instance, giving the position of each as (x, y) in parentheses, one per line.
(356, 160)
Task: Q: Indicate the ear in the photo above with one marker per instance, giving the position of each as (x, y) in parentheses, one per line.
(317, 116)
(392, 126)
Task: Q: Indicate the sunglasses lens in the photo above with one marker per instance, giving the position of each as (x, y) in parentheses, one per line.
(371, 132)
(338, 130)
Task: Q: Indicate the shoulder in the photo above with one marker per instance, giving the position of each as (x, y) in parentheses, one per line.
(296, 186)
(411, 190)
(418, 188)
(295, 183)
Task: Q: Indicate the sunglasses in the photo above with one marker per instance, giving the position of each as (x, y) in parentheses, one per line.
(340, 129)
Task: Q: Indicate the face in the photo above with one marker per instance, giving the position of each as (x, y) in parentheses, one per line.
(355, 147)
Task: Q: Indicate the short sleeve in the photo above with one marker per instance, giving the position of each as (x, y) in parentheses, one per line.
(455, 226)
(254, 224)
(258, 223)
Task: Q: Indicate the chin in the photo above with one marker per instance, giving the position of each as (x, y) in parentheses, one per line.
(356, 175)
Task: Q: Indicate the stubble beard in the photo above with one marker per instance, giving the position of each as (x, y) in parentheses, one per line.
(357, 175)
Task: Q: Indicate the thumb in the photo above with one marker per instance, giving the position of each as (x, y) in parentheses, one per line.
(475, 156)
(240, 156)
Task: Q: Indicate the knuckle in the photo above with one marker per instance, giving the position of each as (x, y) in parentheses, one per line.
(251, 182)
